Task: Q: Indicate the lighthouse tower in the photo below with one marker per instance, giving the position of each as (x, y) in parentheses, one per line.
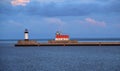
(26, 34)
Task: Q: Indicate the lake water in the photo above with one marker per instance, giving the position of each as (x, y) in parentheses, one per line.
(59, 58)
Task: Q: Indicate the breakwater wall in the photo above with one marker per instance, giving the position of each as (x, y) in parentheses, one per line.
(65, 43)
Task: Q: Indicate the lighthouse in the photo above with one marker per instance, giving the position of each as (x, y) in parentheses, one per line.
(61, 37)
(26, 34)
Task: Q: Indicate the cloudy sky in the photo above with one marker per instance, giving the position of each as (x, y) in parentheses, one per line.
(78, 18)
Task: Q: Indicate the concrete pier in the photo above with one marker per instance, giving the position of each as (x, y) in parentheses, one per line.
(67, 43)
(26, 43)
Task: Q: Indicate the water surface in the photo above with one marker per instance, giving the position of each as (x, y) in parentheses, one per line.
(59, 58)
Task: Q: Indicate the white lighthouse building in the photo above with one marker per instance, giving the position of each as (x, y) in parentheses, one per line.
(26, 34)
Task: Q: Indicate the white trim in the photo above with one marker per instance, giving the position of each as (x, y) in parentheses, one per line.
(61, 38)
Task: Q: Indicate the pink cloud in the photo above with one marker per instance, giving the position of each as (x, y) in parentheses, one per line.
(95, 22)
(54, 20)
(19, 2)
(90, 20)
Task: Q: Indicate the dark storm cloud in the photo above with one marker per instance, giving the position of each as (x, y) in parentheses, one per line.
(65, 9)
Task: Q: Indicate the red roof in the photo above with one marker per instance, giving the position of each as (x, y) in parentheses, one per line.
(62, 36)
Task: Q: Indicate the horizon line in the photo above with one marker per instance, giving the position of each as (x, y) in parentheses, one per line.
(71, 39)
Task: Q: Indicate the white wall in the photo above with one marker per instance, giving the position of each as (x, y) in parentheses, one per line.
(61, 38)
(26, 35)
